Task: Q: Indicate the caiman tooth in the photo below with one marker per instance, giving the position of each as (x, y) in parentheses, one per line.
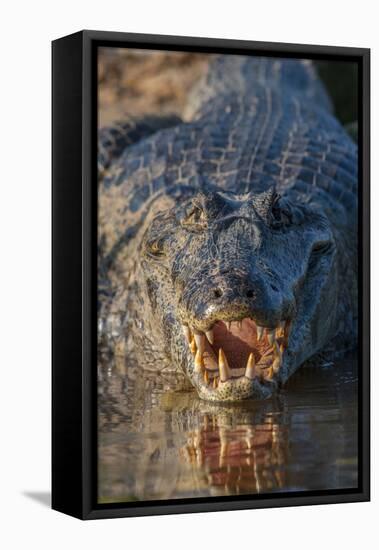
(279, 331)
(206, 377)
(276, 349)
(193, 346)
(269, 373)
(187, 333)
(259, 333)
(282, 348)
(199, 362)
(239, 325)
(215, 382)
(200, 342)
(210, 336)
(250, 367)
(223, 366)
(270, 336)
(229, 325)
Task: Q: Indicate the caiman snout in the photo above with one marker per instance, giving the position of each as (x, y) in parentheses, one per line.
(234, 297)
(237, 327)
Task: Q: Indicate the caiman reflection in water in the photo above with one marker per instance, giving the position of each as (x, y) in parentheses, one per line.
(156, 443)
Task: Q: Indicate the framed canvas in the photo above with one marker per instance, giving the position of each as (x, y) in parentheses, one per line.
(210, 275)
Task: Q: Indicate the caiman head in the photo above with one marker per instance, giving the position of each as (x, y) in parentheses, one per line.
(242, 289)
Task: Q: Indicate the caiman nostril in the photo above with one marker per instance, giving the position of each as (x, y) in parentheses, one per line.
(217, 292)
(250, 293)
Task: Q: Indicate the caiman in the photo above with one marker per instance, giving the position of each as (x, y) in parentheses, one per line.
(228, 241)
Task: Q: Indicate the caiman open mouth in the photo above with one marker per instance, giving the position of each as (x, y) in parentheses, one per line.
(232, 354)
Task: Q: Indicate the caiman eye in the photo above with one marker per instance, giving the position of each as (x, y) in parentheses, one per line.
(195, 218)
(322, 247)
(155, 248)
(280, 213)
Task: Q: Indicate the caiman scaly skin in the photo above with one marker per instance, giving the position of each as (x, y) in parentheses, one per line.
(245, 211)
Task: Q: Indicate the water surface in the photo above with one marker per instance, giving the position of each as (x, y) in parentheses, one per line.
(157, 440)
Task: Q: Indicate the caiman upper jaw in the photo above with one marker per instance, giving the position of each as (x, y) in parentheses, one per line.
(232, 359)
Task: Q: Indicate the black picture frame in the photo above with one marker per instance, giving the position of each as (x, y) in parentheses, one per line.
(74, 206)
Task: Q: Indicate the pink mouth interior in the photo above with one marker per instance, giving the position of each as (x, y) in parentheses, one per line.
(237, 344)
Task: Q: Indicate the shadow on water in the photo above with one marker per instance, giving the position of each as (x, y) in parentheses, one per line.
(157, 440)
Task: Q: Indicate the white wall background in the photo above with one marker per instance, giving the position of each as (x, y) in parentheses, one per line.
(27, 29)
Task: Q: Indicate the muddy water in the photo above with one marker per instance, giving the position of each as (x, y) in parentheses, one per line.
(157, 440)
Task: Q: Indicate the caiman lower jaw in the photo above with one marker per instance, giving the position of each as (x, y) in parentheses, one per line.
(237, 359)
